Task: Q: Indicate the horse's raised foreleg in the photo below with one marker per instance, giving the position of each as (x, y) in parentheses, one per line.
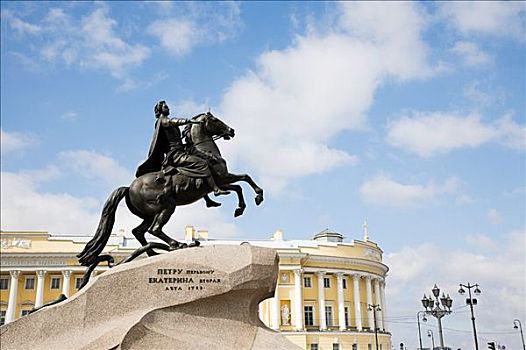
(241, 200)
(245, 177)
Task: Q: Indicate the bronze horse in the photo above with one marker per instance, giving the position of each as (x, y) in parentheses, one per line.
(144, 193)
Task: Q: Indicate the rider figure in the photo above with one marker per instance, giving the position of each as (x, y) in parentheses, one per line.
(168, 155)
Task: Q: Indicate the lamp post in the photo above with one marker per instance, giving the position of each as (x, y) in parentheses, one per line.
(432, 307)
(471, 301)
(515, 322)
(418, 320)
(375, 308)
(430, 334)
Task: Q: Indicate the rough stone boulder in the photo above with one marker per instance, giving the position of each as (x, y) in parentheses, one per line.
(197, 298)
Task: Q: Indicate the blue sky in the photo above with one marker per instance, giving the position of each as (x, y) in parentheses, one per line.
(409, 115)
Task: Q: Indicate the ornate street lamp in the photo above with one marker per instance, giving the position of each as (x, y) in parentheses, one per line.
(430, 334)
(471, 301)
(432, 307)
(515, 323)
(375, 308)
(418, 320)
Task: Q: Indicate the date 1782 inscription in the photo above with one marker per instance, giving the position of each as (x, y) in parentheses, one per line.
(181, 279)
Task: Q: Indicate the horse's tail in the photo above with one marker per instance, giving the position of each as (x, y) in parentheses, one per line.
(94, 247)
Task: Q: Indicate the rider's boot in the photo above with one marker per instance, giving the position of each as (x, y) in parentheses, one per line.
(160, 177)
(211, 203)
(215, 188)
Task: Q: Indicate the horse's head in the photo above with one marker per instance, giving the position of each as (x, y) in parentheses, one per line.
(216, 127)
(209, 126)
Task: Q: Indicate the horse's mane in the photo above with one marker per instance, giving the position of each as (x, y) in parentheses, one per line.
(186, 132)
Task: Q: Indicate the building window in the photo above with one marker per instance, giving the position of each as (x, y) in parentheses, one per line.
(346, 314)
(314, 347)
(2, 317)
(24, 313)
(369, 346)
(328, 315)
(380, 346)
(335, 346)
(55, 282)
(344, 282)
(3, 283)
(309, 316)
(355, 346)
(307, 283)
(30, 283)
(326, 282)
(78, 282)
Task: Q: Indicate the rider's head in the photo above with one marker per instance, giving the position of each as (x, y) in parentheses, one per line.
(161, 108)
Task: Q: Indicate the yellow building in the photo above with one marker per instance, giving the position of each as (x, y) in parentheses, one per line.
(323, 299)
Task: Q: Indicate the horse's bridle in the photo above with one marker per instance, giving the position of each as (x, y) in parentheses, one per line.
(215, 138)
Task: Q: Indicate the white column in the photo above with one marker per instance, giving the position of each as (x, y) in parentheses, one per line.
(65, 284)
(357, 308)
(321, 300)
(384, 312)
(369, 295)
(11, 304)
(274, 311)
(378, 301)
(341, 311)
(261, 314)
(39, 299)
(298, 301)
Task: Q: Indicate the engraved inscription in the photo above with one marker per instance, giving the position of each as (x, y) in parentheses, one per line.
(176, 279)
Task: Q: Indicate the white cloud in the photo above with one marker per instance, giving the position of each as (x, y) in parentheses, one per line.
(15, 141)
(18, 25)
(95, 166)
(198, 25)
(25, 208)
(177, 36)
(109, 50)
(89, 42)
(69, 116)
(481, 243)
(471, 53)
(382, 190)
(431, 133)
(398, 37)
(482, 95)
(501, 18)
(299, 98)
(500, 272)
(511, 134)
(188, 108)
(494, 216)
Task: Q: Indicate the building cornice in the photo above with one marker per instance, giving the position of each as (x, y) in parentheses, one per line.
(42, 261)
(350, 261)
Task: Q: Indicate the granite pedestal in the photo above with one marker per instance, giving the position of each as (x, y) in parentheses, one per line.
(196, 298)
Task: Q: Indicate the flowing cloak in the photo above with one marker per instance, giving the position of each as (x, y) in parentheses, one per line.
(158, 148)
(176, 158)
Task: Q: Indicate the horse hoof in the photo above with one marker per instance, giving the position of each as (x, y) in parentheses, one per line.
(151, 252)
(174, 245)
(259, 199)
(238, 212)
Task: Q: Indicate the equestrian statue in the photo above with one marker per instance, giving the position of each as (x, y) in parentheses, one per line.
(176, 173)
